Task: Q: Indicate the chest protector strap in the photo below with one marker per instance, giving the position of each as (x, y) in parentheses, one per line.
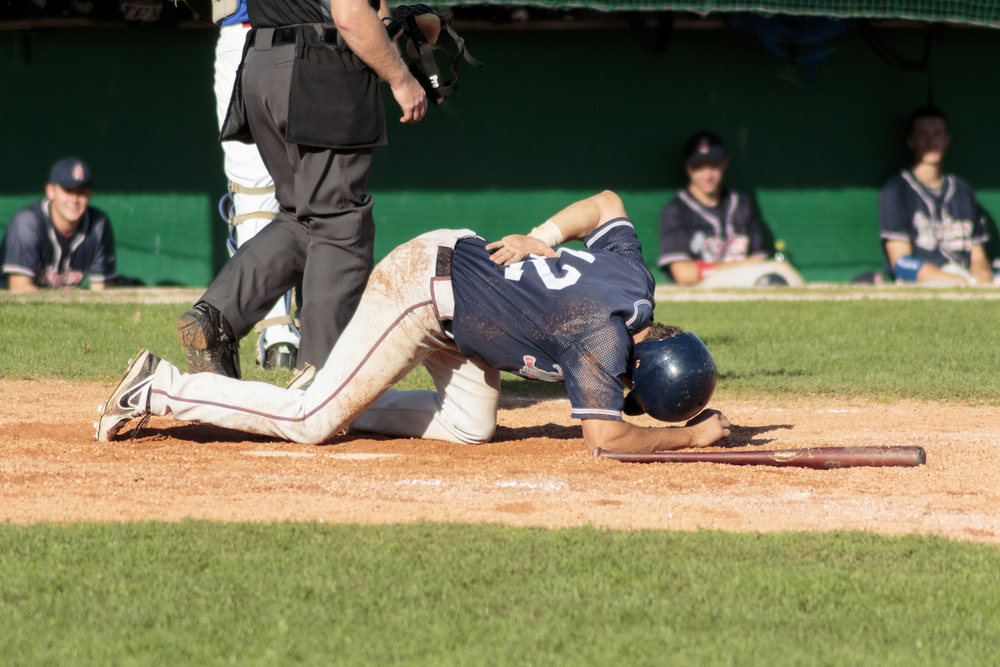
(424, 68)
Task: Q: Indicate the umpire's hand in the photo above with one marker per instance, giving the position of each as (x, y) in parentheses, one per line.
(411, 98)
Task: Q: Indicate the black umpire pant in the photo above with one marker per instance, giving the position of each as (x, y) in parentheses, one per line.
(324, 234)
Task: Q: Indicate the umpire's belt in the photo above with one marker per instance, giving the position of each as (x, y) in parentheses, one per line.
(286, 35)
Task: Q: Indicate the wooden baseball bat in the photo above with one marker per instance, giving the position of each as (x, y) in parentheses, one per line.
(822, 458)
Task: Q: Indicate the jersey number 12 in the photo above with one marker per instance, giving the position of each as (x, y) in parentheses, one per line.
(551, 280)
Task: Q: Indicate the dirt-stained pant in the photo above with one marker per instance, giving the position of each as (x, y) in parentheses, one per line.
(396, 327)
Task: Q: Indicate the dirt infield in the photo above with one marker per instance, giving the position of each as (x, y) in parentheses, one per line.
(535, 472)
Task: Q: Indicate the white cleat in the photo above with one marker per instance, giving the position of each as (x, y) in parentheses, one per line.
(130, 399)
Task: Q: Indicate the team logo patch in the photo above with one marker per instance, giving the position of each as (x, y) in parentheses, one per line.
(703, 146)
(78, 172)
(532, 371)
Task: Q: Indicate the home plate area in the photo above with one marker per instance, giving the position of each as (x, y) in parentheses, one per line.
(535, 471)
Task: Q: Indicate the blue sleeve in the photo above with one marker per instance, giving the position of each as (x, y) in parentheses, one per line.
(980, 234)
(675, 239)
(102, 268)
(617, 236)
(23, 244)
(592, 368)
(894, 214)
(753, 226)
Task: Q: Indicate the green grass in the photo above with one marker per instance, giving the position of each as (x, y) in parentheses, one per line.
(202, 594)
(885, 350)
(307, 594)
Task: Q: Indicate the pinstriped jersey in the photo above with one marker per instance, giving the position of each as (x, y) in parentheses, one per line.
(689, 230)
(34, 248)
(566, 319)
(941, 227)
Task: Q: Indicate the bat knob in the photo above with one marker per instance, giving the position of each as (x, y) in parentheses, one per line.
(596, 453)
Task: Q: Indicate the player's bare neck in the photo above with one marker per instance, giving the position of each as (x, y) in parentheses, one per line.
(709, 199)
(65, 228)
(929, 174)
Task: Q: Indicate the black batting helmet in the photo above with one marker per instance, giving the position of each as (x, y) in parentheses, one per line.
(672, 378)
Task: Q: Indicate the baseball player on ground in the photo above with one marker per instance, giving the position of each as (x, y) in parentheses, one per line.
(933, 230)
(709, 234)
(468, 309)
(60, 240)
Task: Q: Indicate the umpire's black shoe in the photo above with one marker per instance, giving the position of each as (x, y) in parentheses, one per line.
(209, 342)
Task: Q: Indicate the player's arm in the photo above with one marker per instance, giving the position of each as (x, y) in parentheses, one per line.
(685, 272)
(899, 249)
(979, 266)
(704, 430)
(18, 283)
(575, 222)
(364, 33)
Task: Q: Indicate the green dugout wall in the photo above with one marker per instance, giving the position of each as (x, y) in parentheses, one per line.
(557, 115)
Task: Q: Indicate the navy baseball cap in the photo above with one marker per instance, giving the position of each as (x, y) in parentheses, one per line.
(704, 147)
(70, 173)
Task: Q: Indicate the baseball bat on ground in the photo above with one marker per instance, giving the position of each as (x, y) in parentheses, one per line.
(823, 458)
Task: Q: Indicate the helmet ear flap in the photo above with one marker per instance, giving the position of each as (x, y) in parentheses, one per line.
(632, 407)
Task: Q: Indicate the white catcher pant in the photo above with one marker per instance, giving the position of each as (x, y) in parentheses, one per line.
(748, 274)
(395, 328)
(242, 161)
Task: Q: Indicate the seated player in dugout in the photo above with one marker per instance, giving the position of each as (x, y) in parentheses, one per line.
(60, 240)
(933, 229)
(468, 309)
(709, 234)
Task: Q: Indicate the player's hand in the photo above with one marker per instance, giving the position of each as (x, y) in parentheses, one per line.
(516, 247)
(709, 427)
(411, 98)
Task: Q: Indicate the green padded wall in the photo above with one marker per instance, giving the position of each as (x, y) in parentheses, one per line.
(556, 115)
(974, 12)
(137, 106)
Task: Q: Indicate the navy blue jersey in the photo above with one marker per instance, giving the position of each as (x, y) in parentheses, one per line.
(33, 248)
(940, 227)
(557, 319)
(689, 230)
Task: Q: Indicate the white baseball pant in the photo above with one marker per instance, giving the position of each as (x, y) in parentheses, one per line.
(748, 275)
(396, 327)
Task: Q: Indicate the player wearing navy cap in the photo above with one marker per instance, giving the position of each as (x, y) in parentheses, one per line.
(468, 309)
(932, 228)
(60, 240)
(709, 234)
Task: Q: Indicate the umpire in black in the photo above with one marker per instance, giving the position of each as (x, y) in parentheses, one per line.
(309, 93)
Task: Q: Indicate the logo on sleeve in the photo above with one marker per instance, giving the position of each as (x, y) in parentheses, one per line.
(535, 373)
